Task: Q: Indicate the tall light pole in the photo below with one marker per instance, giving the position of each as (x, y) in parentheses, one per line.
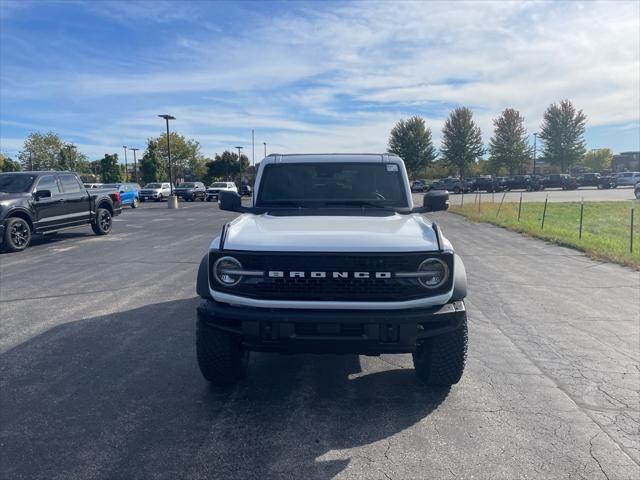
(126, 168)
(535, 150)
(265, 149)
(70, 147)
(167, 118)
(253, 147)
(135, 163)
(30, 160)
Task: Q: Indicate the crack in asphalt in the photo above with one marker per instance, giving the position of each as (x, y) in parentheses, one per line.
(594, 457)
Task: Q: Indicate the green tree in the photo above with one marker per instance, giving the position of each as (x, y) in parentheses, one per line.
(461, 140)
(47, 151)
(110, 170)
(411, 140)
(41, 151)
(562, 132)
(8, 165)
(69, 158)
(186, 156)
(509, 147)
(152, 167)
(598, 159)
(226, 166)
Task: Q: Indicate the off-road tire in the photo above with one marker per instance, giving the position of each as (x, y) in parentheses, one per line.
(134, 204)
(103, 222)
(440, 360)
(221, 357)
(17, 235)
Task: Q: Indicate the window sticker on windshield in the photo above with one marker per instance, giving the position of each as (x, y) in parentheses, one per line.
(392, 167)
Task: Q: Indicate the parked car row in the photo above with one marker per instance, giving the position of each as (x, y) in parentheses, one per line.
(48, 201)
(488, 183)
(132, 194)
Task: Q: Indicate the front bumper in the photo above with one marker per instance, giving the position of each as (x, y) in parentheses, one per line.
(369, 332)
(2, 228)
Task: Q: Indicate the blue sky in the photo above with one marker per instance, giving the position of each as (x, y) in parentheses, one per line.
(317, 76)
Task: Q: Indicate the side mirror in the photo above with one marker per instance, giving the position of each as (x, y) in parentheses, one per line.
(38, 194)
(435, 201)
(230, 201)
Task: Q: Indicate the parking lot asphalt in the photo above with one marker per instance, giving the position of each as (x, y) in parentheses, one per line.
(554, 195)
(99, 377)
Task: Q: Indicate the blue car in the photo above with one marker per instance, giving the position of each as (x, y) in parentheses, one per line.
(129, 193)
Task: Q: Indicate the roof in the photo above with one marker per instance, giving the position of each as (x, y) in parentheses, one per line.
(331, 157)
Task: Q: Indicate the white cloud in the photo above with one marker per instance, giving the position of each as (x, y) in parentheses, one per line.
(338, 79)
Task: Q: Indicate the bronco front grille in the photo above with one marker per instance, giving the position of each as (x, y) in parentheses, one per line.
(329, 288)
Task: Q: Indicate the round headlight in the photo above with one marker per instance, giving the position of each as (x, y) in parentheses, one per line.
(223, 271)
(433, 273)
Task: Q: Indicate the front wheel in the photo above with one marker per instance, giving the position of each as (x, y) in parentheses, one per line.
(102, 223)
(221, 357)
(440, 360)
(17, 235)
(134, 204)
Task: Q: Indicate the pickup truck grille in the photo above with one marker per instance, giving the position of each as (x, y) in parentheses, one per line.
(329, 288)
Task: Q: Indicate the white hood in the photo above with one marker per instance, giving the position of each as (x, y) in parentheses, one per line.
(394, 233)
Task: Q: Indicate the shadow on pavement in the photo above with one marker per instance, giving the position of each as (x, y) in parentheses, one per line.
(120, 396)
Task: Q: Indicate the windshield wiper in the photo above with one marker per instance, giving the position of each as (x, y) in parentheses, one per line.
(358, 203)
(282, 203)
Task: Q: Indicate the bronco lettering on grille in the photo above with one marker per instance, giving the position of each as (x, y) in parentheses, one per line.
(300, 274)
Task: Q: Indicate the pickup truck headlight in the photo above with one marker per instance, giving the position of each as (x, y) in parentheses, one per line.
(223, 271)
(433, 273)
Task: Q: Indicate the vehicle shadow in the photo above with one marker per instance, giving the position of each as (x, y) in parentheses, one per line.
(120, 396)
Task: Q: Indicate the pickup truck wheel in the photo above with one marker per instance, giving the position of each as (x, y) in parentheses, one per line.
(134, 204)
(221, 357)
(440, 360)
(102, 223)
(17, 235)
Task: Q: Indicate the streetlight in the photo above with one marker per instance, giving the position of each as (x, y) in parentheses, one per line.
(167, 118)
(135, 163)
(70, 147)
(239, 151)
(126, 176)
(265, 149)
(535, 150)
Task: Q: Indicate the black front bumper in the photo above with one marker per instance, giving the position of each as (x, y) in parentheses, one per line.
(2, 227)
(332, 331)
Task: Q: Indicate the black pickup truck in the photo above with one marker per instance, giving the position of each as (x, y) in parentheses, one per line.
(44, 202)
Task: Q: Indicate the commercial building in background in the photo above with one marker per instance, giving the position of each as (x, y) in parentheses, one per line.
(626, 161)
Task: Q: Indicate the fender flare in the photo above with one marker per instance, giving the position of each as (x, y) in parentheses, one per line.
(459, 280)
(202, 282)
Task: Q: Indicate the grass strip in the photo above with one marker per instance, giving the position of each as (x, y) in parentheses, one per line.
(606, 228)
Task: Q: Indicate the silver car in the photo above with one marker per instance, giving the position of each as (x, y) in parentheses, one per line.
(155, 191)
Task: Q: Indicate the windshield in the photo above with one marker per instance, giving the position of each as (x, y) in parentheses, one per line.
(319, 184)
(15, 183)
(219, 185)
(153, 185)
(186, 185)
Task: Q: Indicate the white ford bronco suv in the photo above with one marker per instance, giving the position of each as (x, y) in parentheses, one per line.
(332, 257)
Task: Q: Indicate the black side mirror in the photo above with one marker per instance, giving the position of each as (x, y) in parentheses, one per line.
(38, 194)
(435, 201)
(230, 201)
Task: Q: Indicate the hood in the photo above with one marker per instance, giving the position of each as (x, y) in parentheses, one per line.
(394, 233)
(11, 196)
